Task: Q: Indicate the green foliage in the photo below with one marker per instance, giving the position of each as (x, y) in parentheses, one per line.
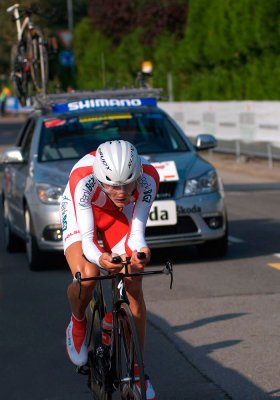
(100, 63)
(91, 48)
(129, 56)
(230, 50)
(164, 61)
(215, 50)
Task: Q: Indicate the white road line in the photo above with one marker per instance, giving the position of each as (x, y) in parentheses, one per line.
(233, 239)
(277, 255)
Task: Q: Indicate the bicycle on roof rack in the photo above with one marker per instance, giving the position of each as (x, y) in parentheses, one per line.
(112, 358)
(29, 55)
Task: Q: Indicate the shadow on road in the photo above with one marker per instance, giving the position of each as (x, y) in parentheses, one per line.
(206, 321)
(192, 370)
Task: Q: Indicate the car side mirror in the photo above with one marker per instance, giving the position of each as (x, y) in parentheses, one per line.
(12, 156)
(205, 141)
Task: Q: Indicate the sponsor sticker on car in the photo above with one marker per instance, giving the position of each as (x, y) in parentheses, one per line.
(167, 170)
(163, 213)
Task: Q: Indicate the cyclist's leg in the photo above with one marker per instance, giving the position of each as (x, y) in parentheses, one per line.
(79, 299)
(76, 332)
(72, 243)
(138, 309)
(137, 306)
(129, 355)
(114, 236)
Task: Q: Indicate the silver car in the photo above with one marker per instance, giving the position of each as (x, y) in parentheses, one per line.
(189, 208)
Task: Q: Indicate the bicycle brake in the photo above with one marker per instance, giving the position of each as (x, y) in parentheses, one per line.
(77, 280)
(141, 255)
(116, 260)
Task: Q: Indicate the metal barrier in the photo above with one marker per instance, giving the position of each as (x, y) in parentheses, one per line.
(249, 128)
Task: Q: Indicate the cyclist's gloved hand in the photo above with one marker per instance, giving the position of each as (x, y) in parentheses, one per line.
(106, 261)
(137, 263)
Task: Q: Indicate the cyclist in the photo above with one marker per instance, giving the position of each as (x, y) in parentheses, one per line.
(110, 192)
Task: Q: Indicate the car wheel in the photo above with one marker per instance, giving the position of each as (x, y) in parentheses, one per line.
(214, 248)
(10, 239)
(32, 251)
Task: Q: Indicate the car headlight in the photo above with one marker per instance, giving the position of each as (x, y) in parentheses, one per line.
(205, 183)
(49, 194)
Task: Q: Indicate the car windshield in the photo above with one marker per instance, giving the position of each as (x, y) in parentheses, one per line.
(73, 137)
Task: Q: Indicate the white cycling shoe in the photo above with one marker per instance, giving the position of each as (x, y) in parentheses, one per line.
(76, 341)
(150, 393)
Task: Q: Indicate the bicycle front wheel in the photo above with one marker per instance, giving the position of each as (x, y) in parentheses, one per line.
(129, 353)
(96, 352)
(39, 61)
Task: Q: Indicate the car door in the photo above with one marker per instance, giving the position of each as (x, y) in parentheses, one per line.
(17, 175)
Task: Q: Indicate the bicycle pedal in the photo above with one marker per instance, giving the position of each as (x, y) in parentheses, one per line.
(83, 370)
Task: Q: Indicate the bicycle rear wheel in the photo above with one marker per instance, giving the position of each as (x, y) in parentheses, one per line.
(39, 61)
(129, 353)
(19, 73)
(96, 352)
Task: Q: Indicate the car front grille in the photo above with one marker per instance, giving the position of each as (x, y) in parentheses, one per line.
(184, 224)
(166, 190)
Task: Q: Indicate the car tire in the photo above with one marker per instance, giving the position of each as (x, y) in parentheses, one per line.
(11, 241)
(214, 248)
(32, 251)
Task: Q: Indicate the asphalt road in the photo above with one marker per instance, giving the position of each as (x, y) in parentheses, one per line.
(215, 336)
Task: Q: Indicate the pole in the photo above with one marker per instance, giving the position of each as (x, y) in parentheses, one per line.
(170, 86)
(103, 69)
(70, 15)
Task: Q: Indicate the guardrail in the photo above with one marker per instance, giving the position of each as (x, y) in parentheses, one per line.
(241, 127)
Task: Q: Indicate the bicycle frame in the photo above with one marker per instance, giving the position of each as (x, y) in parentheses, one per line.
(27, 22)
(119, 297)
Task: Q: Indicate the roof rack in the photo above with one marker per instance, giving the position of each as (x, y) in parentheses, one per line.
(48, 100)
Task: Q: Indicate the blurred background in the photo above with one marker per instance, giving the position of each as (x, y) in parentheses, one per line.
(199, 49)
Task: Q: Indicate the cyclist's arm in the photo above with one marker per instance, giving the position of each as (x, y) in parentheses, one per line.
(147, 190)
(82, 187)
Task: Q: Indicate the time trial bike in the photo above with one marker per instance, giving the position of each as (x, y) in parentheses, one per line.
(111, 365)
(29, 56)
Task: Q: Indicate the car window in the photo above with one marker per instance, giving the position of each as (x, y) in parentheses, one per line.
(22, 132)
(27, 139)
(73, 137)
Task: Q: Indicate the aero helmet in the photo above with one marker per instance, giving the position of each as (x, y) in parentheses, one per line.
(117, 163)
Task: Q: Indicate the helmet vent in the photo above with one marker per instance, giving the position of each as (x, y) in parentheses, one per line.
(108, 179)
(129, 176)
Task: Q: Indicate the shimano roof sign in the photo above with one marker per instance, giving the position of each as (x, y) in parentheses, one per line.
(102, 103)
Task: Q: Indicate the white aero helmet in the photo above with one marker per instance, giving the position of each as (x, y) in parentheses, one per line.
(117, 163)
